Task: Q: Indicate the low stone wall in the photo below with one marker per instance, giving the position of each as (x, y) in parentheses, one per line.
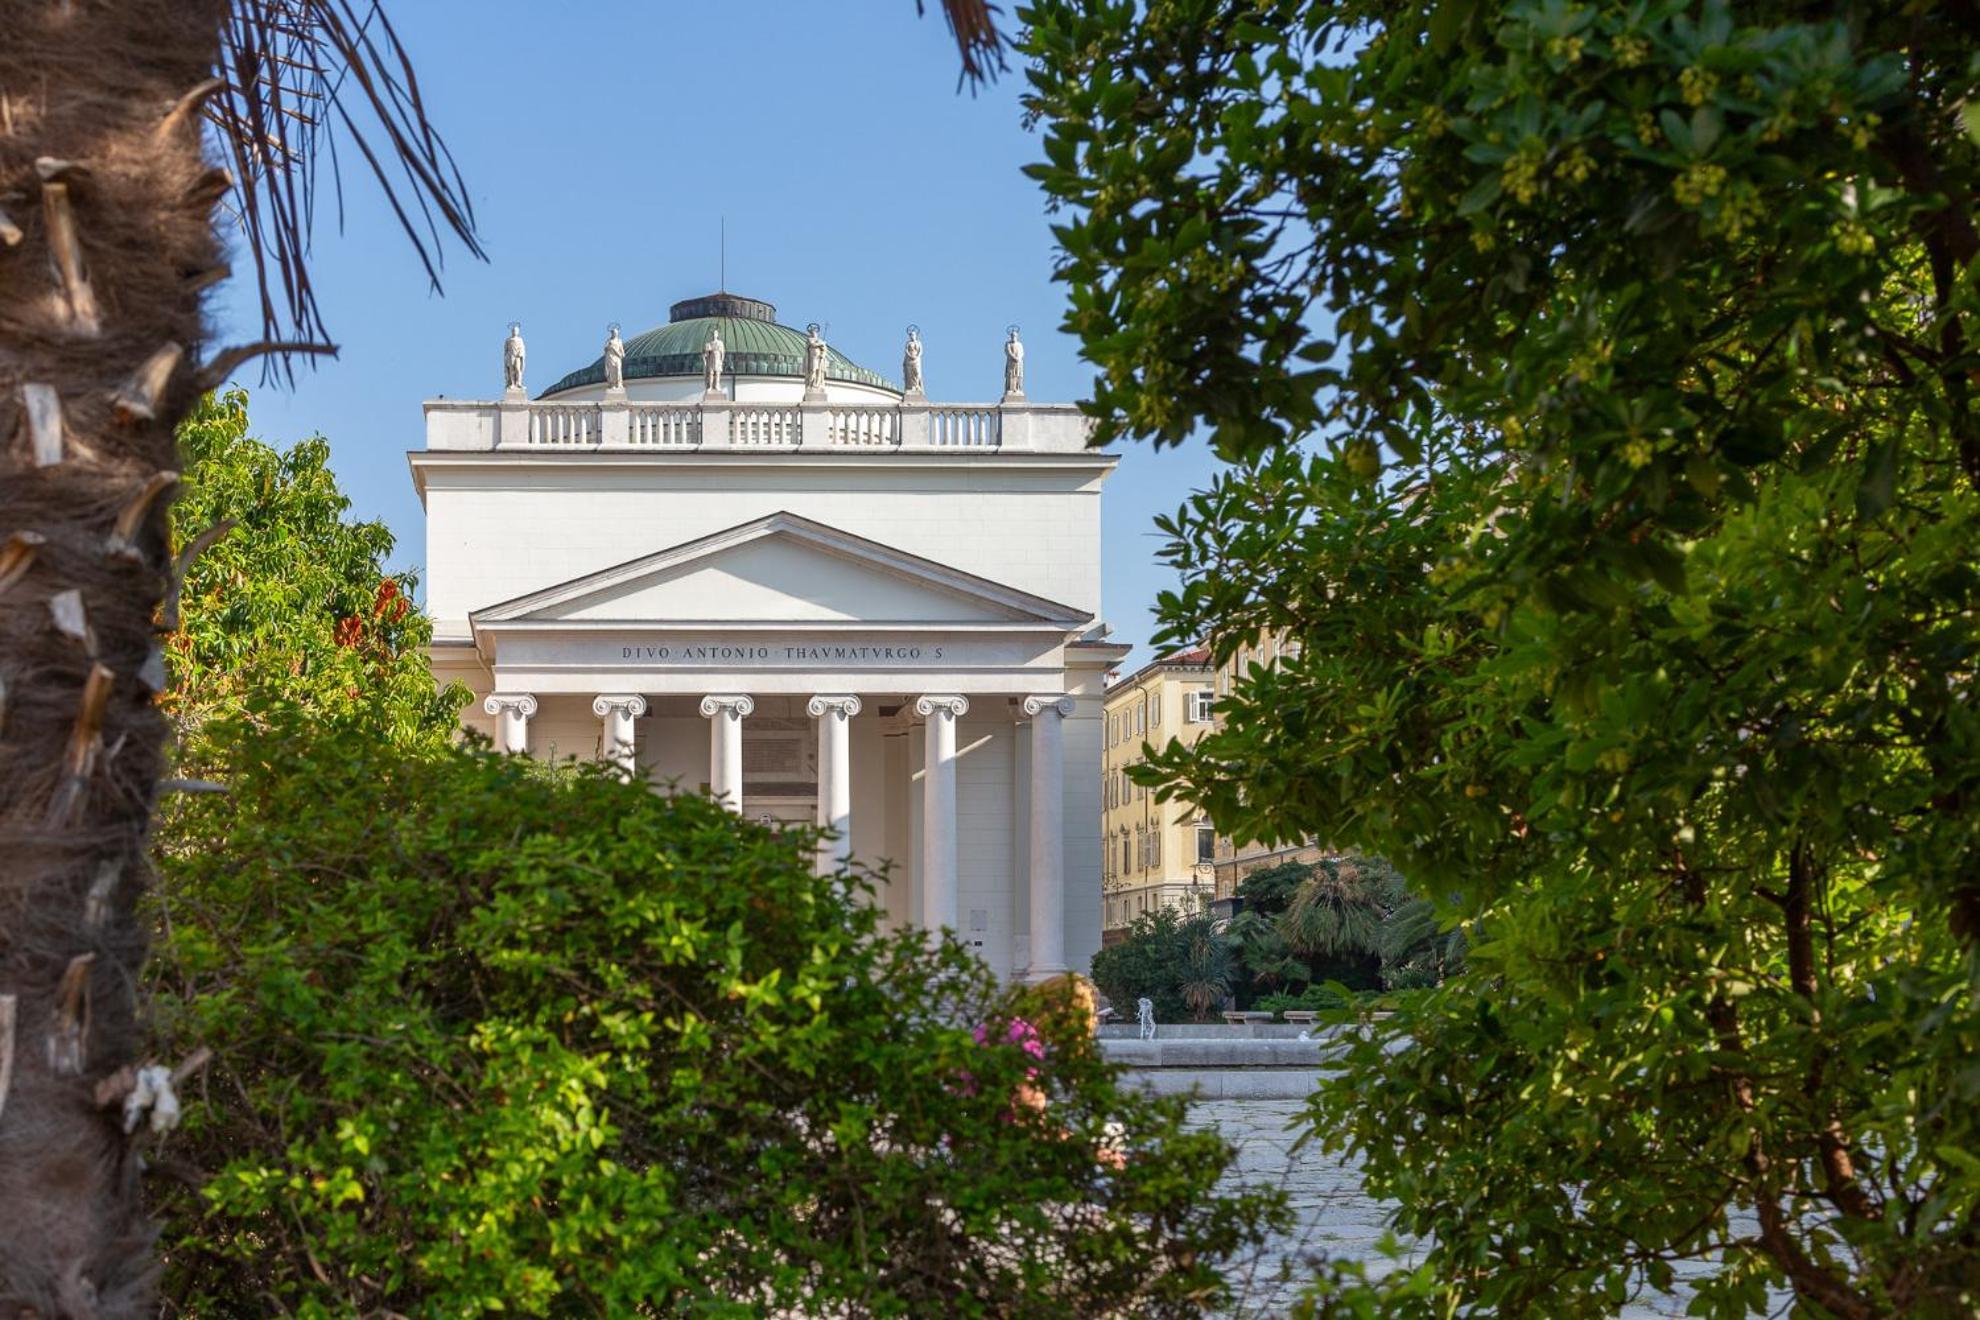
(1219, 1062)
(1207, 1031)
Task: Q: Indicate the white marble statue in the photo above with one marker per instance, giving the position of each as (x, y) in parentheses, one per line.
(712, 353)
(512, 358)
(911, 362)
(615, 359)
(814, 359)
(1013, 365)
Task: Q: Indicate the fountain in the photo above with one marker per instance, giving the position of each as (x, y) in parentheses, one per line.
(1144, 1013)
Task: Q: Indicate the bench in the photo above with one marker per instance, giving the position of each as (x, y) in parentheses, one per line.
(1245, 1017)
(1303, 1016)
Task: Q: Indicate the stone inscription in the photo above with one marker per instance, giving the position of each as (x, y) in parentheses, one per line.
(761, 655)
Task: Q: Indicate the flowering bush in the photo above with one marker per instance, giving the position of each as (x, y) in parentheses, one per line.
(490, 1039)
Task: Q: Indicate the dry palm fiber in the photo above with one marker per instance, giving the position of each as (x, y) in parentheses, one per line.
(108, 229)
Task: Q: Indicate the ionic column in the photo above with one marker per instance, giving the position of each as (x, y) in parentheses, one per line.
(1048, 834)
(725, 715)
(512, 711)
(834, 716)
(619, 710)
(938, 810)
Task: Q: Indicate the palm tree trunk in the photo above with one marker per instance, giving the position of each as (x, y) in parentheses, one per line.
(106, 243)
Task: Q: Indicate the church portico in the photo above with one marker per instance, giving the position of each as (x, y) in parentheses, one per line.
(890, 638)
(835, 759)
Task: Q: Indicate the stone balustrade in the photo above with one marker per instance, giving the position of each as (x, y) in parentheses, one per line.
(718, 425)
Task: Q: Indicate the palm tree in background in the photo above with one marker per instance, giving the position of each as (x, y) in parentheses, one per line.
(1340, 907)
(135, 136)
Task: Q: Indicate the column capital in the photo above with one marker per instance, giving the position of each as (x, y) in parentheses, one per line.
(845, 707)
(738, 707)
(522, 703)
(629, 704)
(1036, 706)
(953, 707)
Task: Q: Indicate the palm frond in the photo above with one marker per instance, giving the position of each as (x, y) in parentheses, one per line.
(973, 23)
(298, 75)
(1206, 969)
(1336, 910)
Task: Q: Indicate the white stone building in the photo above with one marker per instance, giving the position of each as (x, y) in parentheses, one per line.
(805, 591)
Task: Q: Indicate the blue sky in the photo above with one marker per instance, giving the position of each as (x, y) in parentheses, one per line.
(604, 142)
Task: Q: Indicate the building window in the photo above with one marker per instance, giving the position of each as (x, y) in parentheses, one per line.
(1126, 866)
(1155, 846)
(1200, 704)
(1206, 843)
(1155, 710)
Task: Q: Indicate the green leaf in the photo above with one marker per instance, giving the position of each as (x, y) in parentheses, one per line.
(1448, 19)
(1878, 486)
(1480, 195)
(1705, 126)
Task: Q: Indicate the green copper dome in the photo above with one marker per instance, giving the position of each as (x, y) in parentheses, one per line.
(754, 345)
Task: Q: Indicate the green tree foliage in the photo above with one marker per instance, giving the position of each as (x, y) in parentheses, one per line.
(1268, 891)
(1183, 963)
(1600, 380)
(286, 597)
(1269, 963)
(490, 1038)
(1345, 919)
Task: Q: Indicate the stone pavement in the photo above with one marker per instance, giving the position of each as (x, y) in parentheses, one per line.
(1334, 1216)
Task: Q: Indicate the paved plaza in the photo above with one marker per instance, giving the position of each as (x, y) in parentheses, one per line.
(1334, 1216)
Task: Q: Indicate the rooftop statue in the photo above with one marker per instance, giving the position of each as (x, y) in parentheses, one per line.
(615, 359)
(711, 362)
(814, 359)
(911, 362)
(1013, 366)
(512, 358)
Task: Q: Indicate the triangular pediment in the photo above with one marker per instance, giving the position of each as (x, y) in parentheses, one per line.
(782, 569)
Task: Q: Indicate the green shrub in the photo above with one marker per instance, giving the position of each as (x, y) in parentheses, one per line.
(1315, 998)
(1183, 963)
(490, 1039)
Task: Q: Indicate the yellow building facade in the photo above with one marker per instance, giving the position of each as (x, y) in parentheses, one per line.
(1230, 862)
(1153, 853)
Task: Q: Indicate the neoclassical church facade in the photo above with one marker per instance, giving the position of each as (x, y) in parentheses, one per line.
(731, 560)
